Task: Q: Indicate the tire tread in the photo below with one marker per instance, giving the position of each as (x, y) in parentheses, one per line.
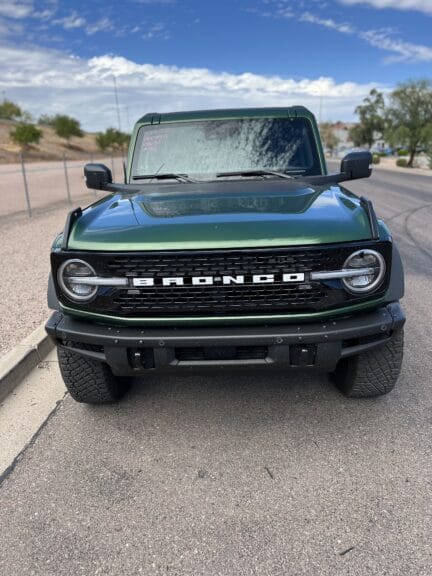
(372, 373)
(88, 380)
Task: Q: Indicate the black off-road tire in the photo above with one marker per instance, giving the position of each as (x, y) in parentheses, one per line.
(372, 373)
(89, 380)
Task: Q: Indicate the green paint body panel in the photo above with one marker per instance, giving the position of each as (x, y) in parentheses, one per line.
(237, 214)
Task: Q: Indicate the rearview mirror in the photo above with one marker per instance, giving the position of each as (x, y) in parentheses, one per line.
(97, 176)
(356, 165)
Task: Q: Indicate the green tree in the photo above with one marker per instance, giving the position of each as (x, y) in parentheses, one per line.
(371, 120)
(357, 135)
(26, 134)
(428, 136)
(45, 120)
(328, 136)
(409, 116)
(9, 110)
(66, 127)
(112, 139)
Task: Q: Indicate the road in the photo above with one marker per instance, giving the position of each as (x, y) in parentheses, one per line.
(255, 474)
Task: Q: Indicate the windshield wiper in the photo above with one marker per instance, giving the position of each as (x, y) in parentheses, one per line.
(166, 176)
(254, 173)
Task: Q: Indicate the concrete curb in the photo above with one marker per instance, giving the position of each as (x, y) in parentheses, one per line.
(22, 359)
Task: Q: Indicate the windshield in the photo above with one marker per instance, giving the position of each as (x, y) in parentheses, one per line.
(202, 149)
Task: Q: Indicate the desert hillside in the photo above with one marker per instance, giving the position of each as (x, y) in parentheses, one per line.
(50, 147)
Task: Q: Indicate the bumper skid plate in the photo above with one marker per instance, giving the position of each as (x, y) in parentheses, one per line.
(133, 350)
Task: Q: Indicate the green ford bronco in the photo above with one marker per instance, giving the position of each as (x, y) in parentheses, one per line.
(227, 246)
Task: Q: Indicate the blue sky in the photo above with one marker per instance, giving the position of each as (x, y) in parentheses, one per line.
(60, 56)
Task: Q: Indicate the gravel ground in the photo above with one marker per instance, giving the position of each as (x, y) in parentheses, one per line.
(25, 242)
(24, 252)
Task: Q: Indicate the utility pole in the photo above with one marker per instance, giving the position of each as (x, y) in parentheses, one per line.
(127, 119)
(320, 109)
(117, 103)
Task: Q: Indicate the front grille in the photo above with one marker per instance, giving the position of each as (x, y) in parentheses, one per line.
(219, 299)
(221, 262)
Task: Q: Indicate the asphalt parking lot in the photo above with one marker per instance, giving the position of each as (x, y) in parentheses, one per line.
(244, 474)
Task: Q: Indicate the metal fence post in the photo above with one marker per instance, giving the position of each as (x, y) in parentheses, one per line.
(29, 210)
(66, 179)
(112, 167)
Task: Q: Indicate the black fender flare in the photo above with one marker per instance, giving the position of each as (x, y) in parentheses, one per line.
(53, 302)
(396, 288)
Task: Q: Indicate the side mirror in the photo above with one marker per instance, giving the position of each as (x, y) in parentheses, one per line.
(356, 165)
(97, 176)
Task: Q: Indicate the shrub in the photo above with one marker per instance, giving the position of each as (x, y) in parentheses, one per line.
(402, 152)
(26, 134)
(46, 120)
(376, 158)
(112, 139)
(402, 162)
(9, 110)
(66, 127)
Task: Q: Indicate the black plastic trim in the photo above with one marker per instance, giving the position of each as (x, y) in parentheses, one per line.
(373, 221)
(396, 289)
(53, 302)
(70, 220)
(329, 337)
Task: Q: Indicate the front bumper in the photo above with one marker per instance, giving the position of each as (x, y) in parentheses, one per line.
(133, 350)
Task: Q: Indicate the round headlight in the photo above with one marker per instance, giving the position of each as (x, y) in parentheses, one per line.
(72, 275)
(372, 265)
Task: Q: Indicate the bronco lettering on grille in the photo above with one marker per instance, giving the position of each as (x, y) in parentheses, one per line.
(225, 280)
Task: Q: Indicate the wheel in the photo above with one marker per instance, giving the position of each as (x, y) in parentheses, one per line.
(372, 373)
(89, 380)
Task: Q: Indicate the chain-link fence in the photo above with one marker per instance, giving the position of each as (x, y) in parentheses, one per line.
(32, 186)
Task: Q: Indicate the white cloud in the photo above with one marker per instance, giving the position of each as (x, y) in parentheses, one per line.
(101, 25)
(402, 51)
(419, 5)
(157, 30)
(383, 39)
(327, 23)
(46, 10)
(73, 20)
(8, 28)
(16, 8)
(47, 82)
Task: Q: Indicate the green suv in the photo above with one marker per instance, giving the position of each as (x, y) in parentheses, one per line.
(227, 246)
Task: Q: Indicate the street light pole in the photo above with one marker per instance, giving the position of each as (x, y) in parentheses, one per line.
(117, 103)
